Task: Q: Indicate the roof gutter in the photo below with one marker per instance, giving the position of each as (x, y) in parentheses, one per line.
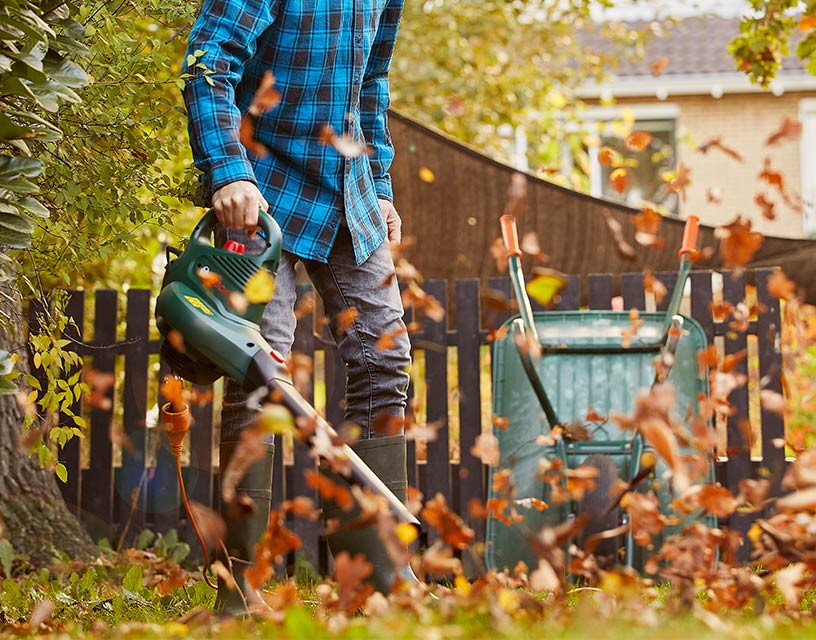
(713, 84)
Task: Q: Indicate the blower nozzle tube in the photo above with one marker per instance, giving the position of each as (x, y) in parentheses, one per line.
(265, 371)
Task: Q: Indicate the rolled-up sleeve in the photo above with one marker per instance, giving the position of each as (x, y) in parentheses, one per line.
(375, 99)
(226, 31)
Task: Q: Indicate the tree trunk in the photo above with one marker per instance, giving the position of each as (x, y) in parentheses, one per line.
(33, 515)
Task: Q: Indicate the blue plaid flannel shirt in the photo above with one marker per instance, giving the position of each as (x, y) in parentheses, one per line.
(330, 59)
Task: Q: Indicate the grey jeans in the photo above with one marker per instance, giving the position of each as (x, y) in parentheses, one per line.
(376, 379)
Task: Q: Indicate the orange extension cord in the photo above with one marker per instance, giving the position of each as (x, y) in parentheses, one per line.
(176, 423)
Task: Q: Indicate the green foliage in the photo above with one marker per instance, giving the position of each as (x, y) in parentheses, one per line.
(35, 76)
(103, 594)
(165, 545)
(123, 165)
(61, 371)
(8, 557)
(470, 66)
(765, 35)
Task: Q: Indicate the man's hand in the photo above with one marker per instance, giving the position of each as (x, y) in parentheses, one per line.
(236, 205)
(392, 221)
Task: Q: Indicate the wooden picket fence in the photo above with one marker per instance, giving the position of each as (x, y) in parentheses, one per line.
(117, 489)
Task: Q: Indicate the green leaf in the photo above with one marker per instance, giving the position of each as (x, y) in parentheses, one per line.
(65, 72)
(7, 556)
(29, 59)
(7, 387)
(14, 166)
(144, 539)
(33, 206)
(17, 223)
(133, 579)
(14, 239)
(62, 472)
(9, 130)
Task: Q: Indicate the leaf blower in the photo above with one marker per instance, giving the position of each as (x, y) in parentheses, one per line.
(199, 300)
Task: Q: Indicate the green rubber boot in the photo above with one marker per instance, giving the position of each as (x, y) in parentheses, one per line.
(244, 530)
(386, 458)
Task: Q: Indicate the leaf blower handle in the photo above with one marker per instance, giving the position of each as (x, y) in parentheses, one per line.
(690, 232)
(510, 234)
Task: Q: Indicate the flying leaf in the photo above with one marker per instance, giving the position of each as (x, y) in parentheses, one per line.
(208, 278)
(766, 206)
(345, 144)
(450, 526)
(659, 65)
(619, 179)
(426, 175)
(678, 180)
(211, 525)
(246, 135)
(486, 448)
(516, 196)
(647, 223)
(329, 490)
(607, 156)
(772, 177)
(406, 533)
(654, 286)
(638, 140)
(260, 287)
(616, 229)
(716, 143)
(439, 560)
(806, 23)
(266, 97)
(350, 574)
(789, 130)
(780, 286)
(276, 541)
(738, 243)
(346, 318)
(546, 284)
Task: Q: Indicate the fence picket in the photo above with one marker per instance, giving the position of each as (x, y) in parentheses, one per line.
(600, 291)
(470, 470)
(129, 485)
(632, 291)
(436, 470)
(770, 369)
(309, 532)
(97, 479)
(739, 428)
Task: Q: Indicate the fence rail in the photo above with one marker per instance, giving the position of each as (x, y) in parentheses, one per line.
(121, 479)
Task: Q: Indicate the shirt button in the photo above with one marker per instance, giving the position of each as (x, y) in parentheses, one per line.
(358, 38)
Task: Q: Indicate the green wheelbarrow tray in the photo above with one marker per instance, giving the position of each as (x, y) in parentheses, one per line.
(583, 365)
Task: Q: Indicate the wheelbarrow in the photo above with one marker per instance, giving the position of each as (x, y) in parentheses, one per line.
(584, 371)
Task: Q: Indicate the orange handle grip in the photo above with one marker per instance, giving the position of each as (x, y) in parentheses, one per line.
(689, 247)
(510, 234)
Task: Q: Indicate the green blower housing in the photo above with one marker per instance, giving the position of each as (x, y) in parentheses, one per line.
(195, 301)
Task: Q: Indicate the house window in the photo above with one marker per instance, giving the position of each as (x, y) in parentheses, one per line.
(645, 181)
(807, 116)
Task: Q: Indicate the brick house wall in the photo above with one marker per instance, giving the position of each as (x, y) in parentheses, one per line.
(743, 122)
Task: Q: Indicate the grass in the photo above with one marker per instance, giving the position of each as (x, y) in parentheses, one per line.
(139, 594)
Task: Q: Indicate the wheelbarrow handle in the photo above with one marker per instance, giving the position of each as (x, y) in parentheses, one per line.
(510, 234)
(687, 253)
(689, 247)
